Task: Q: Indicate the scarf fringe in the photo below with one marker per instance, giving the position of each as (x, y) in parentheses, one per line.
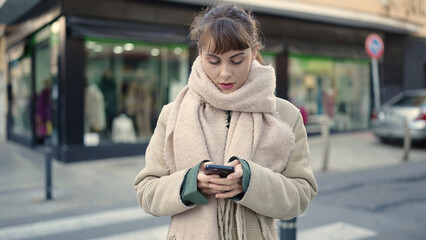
(266, 233)
(228, 220)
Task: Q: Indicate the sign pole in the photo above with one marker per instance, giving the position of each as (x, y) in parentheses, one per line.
(375, 48)
(48, 169)
(376, 85)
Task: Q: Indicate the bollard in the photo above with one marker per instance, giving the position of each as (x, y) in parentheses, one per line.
(325, 133)
(288, 229)
(48, 168)
(407, 140)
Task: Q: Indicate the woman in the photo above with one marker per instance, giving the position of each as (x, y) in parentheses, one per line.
(228, 115)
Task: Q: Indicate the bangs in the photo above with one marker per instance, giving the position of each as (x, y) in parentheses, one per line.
(225, 35)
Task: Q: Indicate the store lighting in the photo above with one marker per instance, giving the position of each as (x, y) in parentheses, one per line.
(98, 48)
(129, 46)
(55, 27)
(309, 81)
(178, 51)
(90, 44)
(155, 52)
(118, 49)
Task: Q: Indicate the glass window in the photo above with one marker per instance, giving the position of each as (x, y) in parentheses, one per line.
(336, 88)
(20, 77)
(127, 83)
(42, 86)
(269, 58)
(411, 101)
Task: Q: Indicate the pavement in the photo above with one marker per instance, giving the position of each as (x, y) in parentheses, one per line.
(99, 194)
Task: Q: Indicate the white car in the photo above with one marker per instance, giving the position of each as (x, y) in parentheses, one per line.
(410, 105)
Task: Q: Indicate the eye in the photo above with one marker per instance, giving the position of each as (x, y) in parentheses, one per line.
(213, 60)
(237, 60)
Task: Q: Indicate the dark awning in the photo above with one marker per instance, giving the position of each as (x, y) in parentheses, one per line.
(80, 27)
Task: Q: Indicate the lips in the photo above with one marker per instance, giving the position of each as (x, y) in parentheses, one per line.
(226, 85)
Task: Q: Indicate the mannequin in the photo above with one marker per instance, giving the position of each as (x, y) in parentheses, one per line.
(94, 109)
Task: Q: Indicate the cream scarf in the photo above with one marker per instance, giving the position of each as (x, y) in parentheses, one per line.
(196, 130)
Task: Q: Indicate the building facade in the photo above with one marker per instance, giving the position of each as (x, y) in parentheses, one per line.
(92, 76)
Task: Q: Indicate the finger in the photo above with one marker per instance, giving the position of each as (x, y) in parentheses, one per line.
(229, 194)
(233, 163)
(207, 190)
(205, 178)
(203, 185)
(225, 181)
(225, 188)
(203, 165)
(237, 174)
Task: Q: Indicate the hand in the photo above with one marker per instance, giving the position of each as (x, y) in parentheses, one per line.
(230, 186)
(203, 182)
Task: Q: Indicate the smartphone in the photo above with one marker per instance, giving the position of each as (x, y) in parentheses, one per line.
(222, 171)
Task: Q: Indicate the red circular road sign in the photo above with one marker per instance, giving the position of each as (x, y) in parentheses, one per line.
(374, 46)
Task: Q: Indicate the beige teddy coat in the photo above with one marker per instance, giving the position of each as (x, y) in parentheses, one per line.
(272, 195)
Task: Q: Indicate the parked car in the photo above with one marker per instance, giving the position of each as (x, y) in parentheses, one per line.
(389, 122)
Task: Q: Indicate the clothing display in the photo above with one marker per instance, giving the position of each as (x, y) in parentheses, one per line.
(43, 120)
(139, 105)
(123, 129)
(108, 88)
(329, 101)
(94, 109)
(264, 131)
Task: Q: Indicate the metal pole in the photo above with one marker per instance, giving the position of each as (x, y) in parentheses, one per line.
(407, 140)
(288, 229)
(325, 132)
(376, 85)
(48, 152)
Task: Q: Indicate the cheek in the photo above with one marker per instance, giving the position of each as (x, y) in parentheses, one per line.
(244, 73)
(210, 71)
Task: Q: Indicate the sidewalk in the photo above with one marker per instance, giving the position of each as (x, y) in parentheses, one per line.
(358, 151)
(81, 186)
(107, 184)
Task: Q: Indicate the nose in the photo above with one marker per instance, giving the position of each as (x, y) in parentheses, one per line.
(225, 71)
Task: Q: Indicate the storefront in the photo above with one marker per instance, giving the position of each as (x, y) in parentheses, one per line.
(333, 87)
(93, 86)
(92, 77)
(33, 70)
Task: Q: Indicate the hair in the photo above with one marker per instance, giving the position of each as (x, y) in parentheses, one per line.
(226, 27)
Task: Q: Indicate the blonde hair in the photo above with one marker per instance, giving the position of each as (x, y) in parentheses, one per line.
(226, 27)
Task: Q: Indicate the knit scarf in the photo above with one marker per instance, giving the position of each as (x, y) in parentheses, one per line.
(197, 130)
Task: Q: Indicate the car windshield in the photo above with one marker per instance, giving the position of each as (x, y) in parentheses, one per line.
(410, 101)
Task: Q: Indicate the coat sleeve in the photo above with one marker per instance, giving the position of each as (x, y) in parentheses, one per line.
(158, 191)
(284, 195)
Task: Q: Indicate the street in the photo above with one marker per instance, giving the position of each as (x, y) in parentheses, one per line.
(383, 203)
(368, 194)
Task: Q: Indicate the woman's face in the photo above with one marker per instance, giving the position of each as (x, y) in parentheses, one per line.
(229, 70)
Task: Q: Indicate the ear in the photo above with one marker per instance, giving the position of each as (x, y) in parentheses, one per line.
(255, 52)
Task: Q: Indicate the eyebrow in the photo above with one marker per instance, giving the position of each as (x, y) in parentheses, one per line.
(236, 55)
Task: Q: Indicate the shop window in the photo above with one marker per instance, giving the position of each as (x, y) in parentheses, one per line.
(20, 78)
(42, 87)
(338, 89)
(269, 58)
(127, 83)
